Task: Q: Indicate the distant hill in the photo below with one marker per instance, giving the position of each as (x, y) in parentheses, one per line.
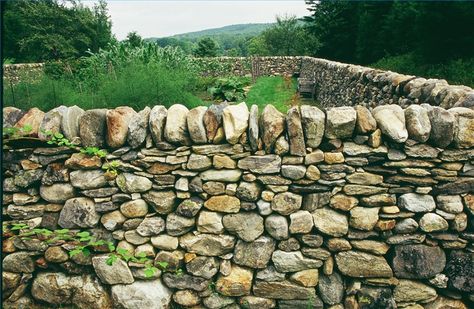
(240, 29)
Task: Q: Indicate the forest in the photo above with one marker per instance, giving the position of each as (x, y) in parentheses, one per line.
(432, 39)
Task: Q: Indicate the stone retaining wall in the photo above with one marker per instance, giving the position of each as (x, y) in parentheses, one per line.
(347, 208)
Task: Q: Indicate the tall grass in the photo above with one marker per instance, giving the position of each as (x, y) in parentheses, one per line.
(457, 72)
(122, 75)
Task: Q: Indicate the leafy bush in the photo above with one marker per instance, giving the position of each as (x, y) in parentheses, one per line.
(230, 89)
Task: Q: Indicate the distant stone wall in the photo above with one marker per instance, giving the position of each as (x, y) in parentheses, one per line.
(347, 208)
(13, 73)
(337, 84)
(242, 66)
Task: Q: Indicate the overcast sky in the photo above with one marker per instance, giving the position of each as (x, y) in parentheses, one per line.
(164, 18)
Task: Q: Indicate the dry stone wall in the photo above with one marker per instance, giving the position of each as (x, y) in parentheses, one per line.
(343, 208)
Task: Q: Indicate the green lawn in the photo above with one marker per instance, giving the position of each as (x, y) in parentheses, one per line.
(272, 90)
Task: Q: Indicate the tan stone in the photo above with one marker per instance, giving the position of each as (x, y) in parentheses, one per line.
(371, 246)
(365, 121)
(223, 161)
(117, 125)
(223, 203)
(306, 278)
(313, 173)
(83, 161)
(343, 202)
(31, 119)
(237, 283)
(333, 157)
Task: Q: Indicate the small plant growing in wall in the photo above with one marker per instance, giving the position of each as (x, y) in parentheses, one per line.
(84, 243)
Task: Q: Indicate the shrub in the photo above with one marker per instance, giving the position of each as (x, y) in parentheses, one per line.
(123, 75)
(230, 89)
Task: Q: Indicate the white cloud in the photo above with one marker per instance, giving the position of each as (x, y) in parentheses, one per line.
(164, 18)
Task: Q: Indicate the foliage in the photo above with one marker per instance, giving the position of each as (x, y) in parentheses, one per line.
(230, 89)
(206, 47)
(35, 31)
(121, 75)
(286, 38)
(14, 132)
(56, 138)
(134, 39)
(366, 31)
(272, 90)
(94, 151)
(84, 243)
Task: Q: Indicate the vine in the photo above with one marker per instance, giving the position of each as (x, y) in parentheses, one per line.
(84, 243)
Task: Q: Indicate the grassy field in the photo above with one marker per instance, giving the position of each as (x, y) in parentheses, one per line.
(272, 90)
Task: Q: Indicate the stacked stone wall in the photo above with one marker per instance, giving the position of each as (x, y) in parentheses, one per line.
(342, 208)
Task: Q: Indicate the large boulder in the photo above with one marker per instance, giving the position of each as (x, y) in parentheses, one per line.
(418, 261)
(408, 291)
(460, 271)
(236, 121)
(11, 115)
(70, 121)
(138, 128)
(196, 128)
(207, 244)
(418, 123)
(59, 289)
(442, 126)
(213, 119)
(362, 265)
(78, 212)
(313, 120)
(365, 121)
(255, 254)
(272, 124)
(176, 128)
(131, 183)
(247, 226)
(253, 128)
(267, 164)
(157, 123)
(32, 119)
(57, 192)
(464, 131)
(92, 128)
(340, 122)
(391, 120)
(415, 202)
(330, 222)
(295, 132)
(117, 273)
(141, 294)
(237, 283)
(51, 122)
(293, 261)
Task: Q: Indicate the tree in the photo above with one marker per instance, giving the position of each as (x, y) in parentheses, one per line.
(42, 30)
(206, 47)
(287, 37)
(134, 39)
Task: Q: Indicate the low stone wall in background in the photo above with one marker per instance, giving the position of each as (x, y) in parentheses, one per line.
(348, 208)
(337, 84)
